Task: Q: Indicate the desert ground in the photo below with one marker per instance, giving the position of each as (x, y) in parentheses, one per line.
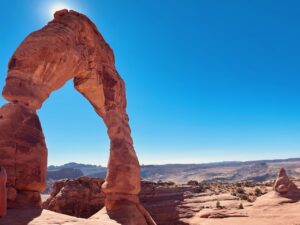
(190, 204)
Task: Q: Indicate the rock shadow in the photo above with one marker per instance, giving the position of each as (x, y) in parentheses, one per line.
(20, 216)
(165, 209)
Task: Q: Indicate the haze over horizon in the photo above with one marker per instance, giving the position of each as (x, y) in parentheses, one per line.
(205, 82)
(177, 163)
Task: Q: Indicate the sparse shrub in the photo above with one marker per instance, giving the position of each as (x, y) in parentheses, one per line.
(160, 182)
(238, 184)
(218, 205)
(199, 189)
(257, 192)
(192, 182)
(171, 183)
(167, 183)
(241, 206)
(244, 197)
(240, 190)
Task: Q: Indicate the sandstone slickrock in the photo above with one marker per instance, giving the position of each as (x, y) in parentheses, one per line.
(221, 214)
(80, 197)
(283, 185)
(3, 192)
(167, 203)
(68, 47)
(23, 153)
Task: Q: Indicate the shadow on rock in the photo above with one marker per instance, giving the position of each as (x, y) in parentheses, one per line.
(20, 216)
(164, 203)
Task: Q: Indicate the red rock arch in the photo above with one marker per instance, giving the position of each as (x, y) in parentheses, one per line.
(69, 47)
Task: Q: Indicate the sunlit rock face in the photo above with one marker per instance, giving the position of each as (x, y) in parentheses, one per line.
(81, 197)
(23, 153)
(283, 185)
(68, 47)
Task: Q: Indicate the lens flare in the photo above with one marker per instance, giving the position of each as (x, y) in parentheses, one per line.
(57, 7)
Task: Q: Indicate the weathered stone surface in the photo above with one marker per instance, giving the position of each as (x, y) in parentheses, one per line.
(215, 213)
(26, 199)
(23, 152)
(68, 47)
(283, 185)
(172, 204)
(77, 51)
(81, 197)
(3, 192)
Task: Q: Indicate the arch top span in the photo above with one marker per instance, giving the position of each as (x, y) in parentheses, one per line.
(68, 47)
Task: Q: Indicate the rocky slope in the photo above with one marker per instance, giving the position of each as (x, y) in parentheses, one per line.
(207, 203)
(170, 203)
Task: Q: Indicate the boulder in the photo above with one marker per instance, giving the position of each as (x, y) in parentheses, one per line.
(283, 185)
(80, 197)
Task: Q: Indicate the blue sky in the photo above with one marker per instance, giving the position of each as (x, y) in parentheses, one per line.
(206, 80)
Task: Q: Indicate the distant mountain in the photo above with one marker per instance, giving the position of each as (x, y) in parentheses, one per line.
(64, 173)
(181, 173)
(86, 169)
(261, 170)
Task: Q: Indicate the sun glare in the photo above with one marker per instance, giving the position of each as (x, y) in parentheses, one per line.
(57, 7)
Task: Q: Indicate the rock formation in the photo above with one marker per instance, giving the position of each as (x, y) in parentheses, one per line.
(80, 197)
(283, 185)
(68, 47)
(3, 192)
(168, 203)
(23, 154)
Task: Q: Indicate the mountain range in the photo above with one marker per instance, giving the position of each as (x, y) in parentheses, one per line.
(232, 171)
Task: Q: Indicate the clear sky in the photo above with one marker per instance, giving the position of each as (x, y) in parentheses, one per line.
(206, 80)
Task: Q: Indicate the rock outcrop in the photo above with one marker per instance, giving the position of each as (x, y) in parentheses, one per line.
(283, 185)
(3, 192)
(23, 153)
(166, 202)
(81, 197)
(68, 47)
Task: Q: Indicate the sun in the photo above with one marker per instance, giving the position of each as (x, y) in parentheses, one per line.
(57, 7)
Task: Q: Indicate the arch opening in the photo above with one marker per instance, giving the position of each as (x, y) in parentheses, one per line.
(73, 131)
(43, 63)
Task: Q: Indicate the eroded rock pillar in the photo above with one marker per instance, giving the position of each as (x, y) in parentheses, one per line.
(68, 47)
(123, 177)
(23, 154)
(3, 192)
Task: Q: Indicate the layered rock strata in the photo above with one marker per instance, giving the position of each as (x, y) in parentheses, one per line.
(23, 153)
(3, 192)
(68, 47)
(283, 185)
(81, 197)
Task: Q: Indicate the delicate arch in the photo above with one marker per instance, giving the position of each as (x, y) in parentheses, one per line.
(69, 47)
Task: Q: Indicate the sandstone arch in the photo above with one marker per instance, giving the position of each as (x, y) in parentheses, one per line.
(79, 52)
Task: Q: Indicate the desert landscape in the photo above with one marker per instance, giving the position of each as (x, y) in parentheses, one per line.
(81, 201)
(34, 192)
